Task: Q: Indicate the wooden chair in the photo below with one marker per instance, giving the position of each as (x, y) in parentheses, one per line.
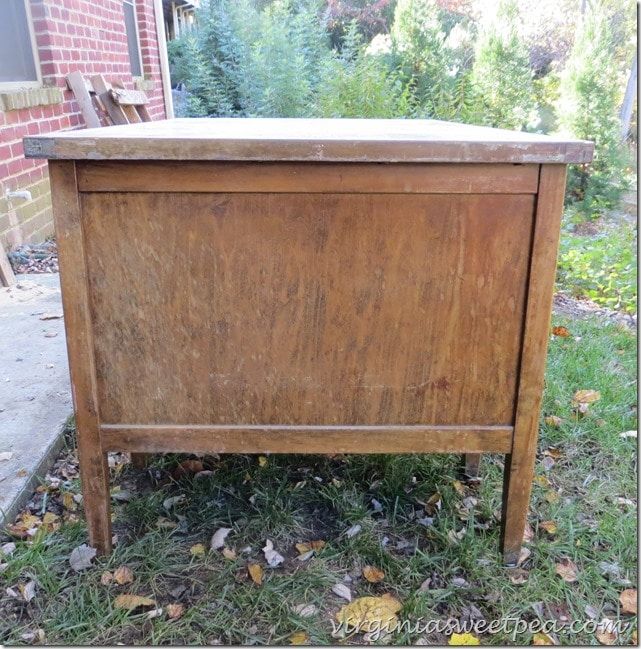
(103, 103)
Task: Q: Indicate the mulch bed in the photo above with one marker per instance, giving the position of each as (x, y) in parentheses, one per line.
(35, 258)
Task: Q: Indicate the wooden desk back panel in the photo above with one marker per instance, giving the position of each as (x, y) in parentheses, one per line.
(252, 322)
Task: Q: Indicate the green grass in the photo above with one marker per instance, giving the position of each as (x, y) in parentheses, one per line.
(300, 498)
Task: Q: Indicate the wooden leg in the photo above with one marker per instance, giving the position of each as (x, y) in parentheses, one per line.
(96, 499)
(140, 460)
(471, 466)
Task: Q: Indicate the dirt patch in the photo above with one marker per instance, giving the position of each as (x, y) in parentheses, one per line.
(572, 307)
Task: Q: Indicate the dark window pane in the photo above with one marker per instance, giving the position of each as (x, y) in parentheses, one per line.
(16, 56)
(132, 38)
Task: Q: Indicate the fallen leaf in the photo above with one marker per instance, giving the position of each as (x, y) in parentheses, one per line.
(552, 496)
(553, 420)
(305, 556)
(541, 480)
(353, 531)
(256, 573)
(370, 613)
(68, 502)
(228, 553)
(81, 557)
(425, 585)
(106, 578)
(373, 575)
(518, 576)
(628, 599)
(342, 591)
(463, 639)
(175, 611)
(433, 504)
(524, 555)
(528, 533)
(606, 632)
(8, 549)
(549, 526)
(218, 539)
(553, 452)
(458, 487)
(28, 590)
(629, 433)
(5, 455)
(262, 460)
(310, 545)
(50, 316)
(123, 575)
(168, 503)
(300, 637)
(306, 610)
(541, 639)
(198, 550)
(561, 332)
(585, 396)
(188, 467)
(567, 570)
(272, 557)
(131, 602)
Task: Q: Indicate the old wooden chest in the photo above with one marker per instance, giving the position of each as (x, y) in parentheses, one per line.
(307, 286)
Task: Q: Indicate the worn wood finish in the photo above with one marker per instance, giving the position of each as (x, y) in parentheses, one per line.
(94, 472)
(353, 178)
(519, 464)
(314, 140)
(7, 278)
(331, 286)
(306, 439)
(295, 309)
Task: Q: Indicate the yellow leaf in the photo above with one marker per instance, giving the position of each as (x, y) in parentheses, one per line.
(50, 522)
(458, 487)
(300, 637)
(228, 553)
(198, 550)
(542, 639)
(123, 575)
(567, 570)
(552, 496)
(628, 599)
(373, 574)
(131, 602)
(541, 480)
(553, 420)
(369, 614)
(463, 639)
(256, 573)
(433, 504)
(585, 396)
(175, 611)
(549, 527)
(68, 502)
(310, 545)
(262, 460)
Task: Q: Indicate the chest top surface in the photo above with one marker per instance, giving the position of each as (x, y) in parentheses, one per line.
(308, 140)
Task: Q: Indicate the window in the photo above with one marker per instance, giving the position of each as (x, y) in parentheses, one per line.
(133, 42)
(19, 64)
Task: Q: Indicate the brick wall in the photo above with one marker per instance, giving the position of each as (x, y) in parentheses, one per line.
(83, 35)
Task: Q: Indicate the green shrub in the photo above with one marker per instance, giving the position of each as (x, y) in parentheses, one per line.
(501, 71)
(601, 267)
(588, 109)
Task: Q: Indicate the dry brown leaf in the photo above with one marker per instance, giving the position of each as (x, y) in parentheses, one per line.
(433, 503)
(518, 576)
(561, 332)
(549, 526)
(373, 575)
(370, 613)
(130, 602)
(198, 550)
(524, 555)
(175, 611)
(585, 396)
(567, 570)
(81, 557)
(553, 452)
(106, 578)
(68, 502)
(459, 487)
(188, 467)
(228, 553)
(606, 632)
(553, 420)
(300, 637)
(310, 545)
(256, 573)
(528, 533)
(123, 575)
(628, 599)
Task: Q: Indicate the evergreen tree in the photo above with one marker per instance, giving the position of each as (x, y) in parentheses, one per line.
(501, 72)
(588, 109)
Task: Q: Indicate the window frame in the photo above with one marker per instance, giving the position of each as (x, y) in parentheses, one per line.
(27, 84)
(134, 6)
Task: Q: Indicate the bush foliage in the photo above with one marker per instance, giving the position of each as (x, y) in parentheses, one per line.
(413, 58)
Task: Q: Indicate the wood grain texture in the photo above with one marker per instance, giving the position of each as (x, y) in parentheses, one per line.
(307, 439)
(94, 472)
(301, 178)
(307, 309)
(317, 140)
(519, 466)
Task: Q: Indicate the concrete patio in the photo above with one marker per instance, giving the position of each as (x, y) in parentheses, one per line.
(35, 395)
